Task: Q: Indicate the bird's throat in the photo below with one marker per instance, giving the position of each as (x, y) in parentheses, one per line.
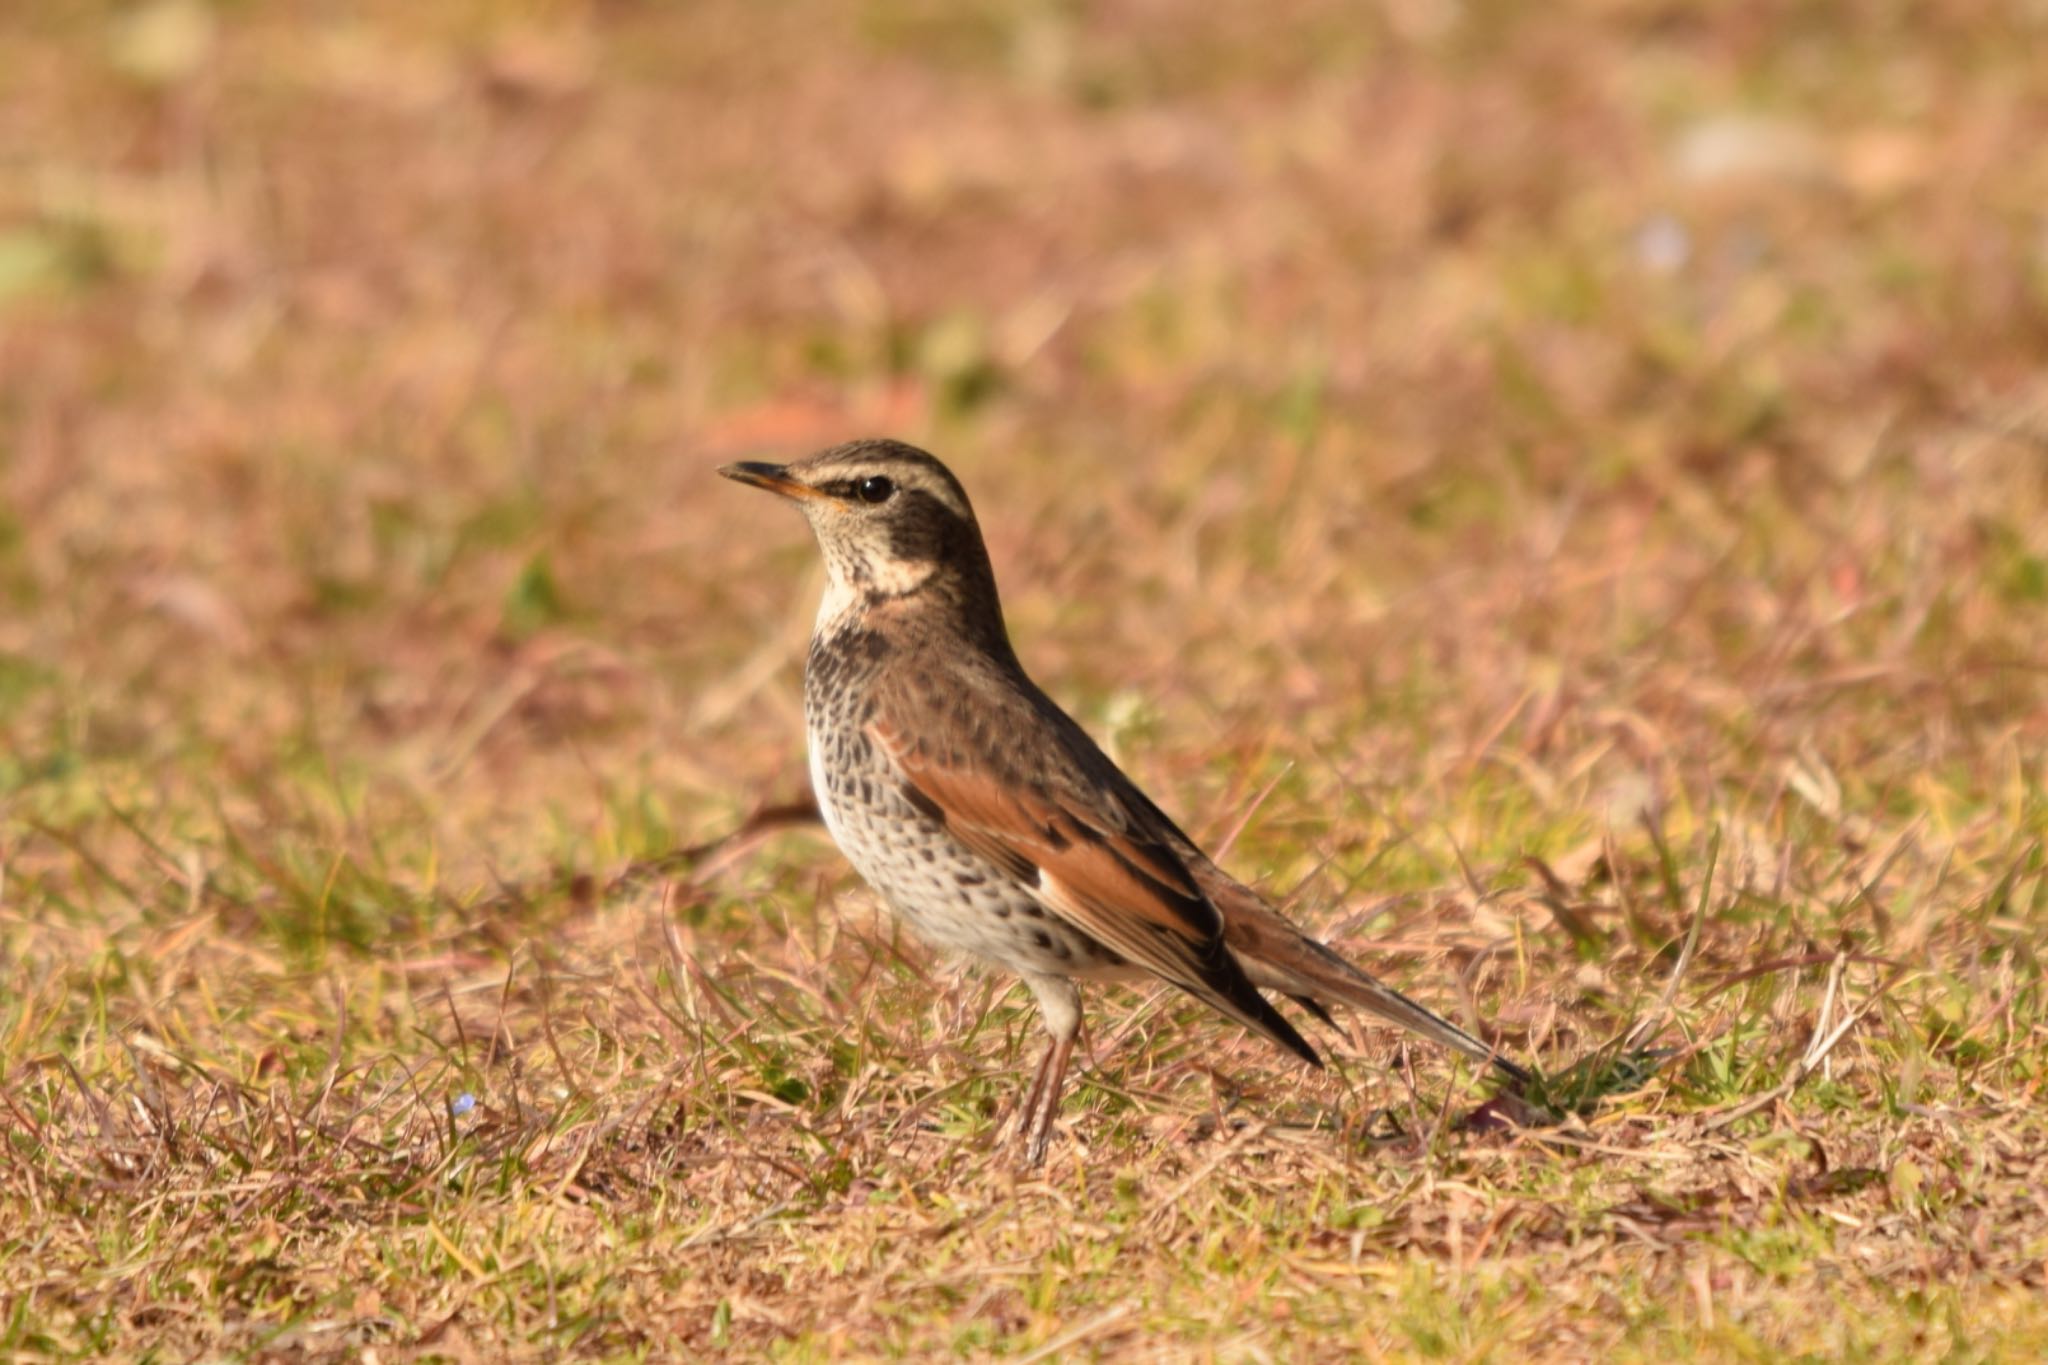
(851, 594)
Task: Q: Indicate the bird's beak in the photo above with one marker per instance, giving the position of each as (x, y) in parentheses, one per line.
(773, 477)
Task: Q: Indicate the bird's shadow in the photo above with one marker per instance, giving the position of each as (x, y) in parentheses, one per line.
(1549, 1099)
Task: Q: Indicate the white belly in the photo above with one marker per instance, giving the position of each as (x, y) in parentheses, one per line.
(823, 792)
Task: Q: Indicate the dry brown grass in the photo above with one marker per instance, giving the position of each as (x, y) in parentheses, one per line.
(1495, 459)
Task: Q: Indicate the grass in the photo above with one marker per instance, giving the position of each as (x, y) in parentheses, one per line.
(1565, 491)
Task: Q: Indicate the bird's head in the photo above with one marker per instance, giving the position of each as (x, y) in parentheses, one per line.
(893, 522)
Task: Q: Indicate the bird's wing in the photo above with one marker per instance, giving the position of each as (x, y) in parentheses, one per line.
(1013, 780)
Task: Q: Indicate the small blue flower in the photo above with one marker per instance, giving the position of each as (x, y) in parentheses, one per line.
(462, 1104)
(1662, 244)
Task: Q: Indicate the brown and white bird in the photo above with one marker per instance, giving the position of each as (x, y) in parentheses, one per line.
(985, 816)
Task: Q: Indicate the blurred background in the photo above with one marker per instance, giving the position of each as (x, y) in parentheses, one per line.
(1490, 455)
(1648, 396)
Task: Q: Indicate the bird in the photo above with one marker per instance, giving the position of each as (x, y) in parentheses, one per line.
(984, 815)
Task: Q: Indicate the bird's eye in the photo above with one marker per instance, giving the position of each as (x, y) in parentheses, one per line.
(874, 488)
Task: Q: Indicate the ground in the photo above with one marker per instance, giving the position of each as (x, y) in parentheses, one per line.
(1541, 485)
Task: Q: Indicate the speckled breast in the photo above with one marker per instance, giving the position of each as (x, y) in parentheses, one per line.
(952, 897)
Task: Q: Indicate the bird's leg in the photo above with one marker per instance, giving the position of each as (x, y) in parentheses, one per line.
(1048, 1100)
(1059, 1001)
(1029, 1107)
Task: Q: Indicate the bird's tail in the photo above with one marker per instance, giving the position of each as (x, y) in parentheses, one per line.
(1278, 956)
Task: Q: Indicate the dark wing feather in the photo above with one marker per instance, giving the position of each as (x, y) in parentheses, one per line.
(1073, 831)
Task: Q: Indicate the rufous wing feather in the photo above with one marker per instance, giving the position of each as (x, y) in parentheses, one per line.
(1094, 870)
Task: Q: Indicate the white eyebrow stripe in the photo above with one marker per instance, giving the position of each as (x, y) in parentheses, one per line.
(946, 498)
(908, 478)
